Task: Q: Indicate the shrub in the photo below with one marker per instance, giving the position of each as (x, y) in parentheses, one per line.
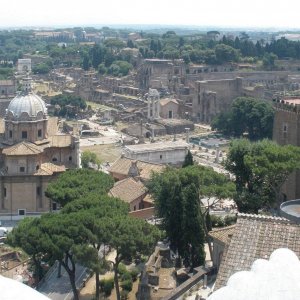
(217, 221)
(134, 272)
(230, 220)
(107, 286)
(127, 285)
(124, 295)
(122, 269)
(126, 276)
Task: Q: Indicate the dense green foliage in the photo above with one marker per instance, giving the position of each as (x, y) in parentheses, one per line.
(196, 47)
(260, 170)
(41, 68)
(246, 115)
(188, 160)
(76, 104)
(74, 184)
(219, 221)
(120, 68)
(6, 73)
(177, 194)
(107, 286)
(89, 157)
(77, 232)
(54, 237)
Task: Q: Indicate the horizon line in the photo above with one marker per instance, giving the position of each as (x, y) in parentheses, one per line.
(153, 26)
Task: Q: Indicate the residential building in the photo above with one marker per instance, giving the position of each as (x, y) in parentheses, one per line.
(125, 167)
(132, 191)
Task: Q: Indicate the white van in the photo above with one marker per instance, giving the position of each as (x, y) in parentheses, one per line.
(3, 231)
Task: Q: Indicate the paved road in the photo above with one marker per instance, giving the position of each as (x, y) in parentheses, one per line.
(60, 288)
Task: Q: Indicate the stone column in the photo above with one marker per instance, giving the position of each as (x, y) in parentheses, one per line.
(217, 154)
(153, 109)
(187, 130)
(158, 108)
(149, 108)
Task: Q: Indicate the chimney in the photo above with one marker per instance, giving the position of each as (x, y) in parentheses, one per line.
(133, 170)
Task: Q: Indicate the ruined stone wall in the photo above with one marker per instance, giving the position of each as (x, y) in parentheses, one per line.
(213, 97)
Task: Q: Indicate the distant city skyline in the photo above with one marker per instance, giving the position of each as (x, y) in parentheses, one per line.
(220, 13)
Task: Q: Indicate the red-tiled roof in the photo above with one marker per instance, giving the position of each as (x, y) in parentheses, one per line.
(254, 237)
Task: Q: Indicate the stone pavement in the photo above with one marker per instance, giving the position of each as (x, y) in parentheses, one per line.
(60, 288)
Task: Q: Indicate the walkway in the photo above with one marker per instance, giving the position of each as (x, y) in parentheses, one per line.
(60, 288)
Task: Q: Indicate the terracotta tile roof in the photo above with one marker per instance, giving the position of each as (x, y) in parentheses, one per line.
(49, 169)
(122, 165)
(224, 234)
(256, 237)
(23, 148)
(128, 189)
(167, 100)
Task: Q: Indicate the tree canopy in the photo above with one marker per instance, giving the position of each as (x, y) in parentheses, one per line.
(77, 233)
(64, 100)
(246, 115)
(260, 170)
(188, 160)
(53, 237)
(89, 157)
(177, 194)
(74, 184)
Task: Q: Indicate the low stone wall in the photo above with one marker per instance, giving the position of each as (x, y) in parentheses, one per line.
(144, 214)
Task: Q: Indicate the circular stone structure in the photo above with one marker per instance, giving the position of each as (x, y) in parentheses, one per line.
(291, 210)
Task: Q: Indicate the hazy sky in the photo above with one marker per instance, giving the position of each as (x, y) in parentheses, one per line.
(230, 13)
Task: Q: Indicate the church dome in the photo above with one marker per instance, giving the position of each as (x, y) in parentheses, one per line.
(26, 106)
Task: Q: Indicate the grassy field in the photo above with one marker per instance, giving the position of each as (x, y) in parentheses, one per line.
(97, 105)
(106, 153)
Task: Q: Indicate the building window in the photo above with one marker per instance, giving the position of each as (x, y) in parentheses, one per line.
(160, 157)
(10, 134)
(40, 133)
(22, 169)
(70, 158)
(4, 192)
(198, 99)
(170, 114)
(38, 191)
(22, 212)
(134, 208)
(37, 167)
(24, 134)
(285, 128)
(54, 159)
